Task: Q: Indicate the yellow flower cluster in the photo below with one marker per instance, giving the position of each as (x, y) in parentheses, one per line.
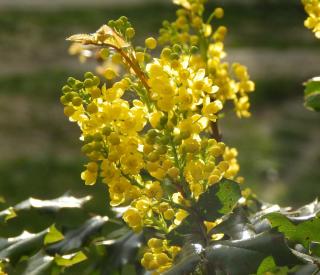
(312, 8)
(151, 135)
(191, 31)
(159, 256)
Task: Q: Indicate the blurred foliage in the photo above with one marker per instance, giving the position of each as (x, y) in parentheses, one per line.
(258, 238)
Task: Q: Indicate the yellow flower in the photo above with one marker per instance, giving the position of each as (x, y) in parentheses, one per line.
(90, 174)
(133, 219)
(180, 216)
(183, 3)
(154, 190)
(132, 164)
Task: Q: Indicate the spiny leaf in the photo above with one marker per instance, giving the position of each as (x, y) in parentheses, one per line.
(190, 228)
(71, 259)
(53, 236)
(10, 214)
(312, 94)
(219, 199)
(21, 245)
(54, 205)
(302, 233)
(38, 264)
(187, 260)
(267, 265)
(75, 239)
(127, 246)
(235, 225)
(244, 256)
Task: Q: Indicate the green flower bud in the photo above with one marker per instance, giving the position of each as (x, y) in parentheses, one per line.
(71, 81)
(79, 85)
(88, 139)
(88, 75)
(194, 49)
(130, 33)
(164, 140)
(153, 156)
(106, 131)
(166, 52)
(97, 137)
(68, 97)
(152, 133)
(88, 83)
(77, 101)
(95, 81)
(162, 149)
(87, 149)
(63, 100)
(177, 48)
(174, 56)
(66, 89)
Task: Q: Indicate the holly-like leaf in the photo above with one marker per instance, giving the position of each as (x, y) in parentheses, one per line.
(75, 239)
(64, 201)
(302, 233)
(187, 260)
(8, 214)
(219, 199)
(21, 245)
(70, 259)
(189, 229)
(123, 250)
(235, 225)
(245, 256)
(268, 266)
(38, 264)
(54, 205)
(312, 94)
(53, 236)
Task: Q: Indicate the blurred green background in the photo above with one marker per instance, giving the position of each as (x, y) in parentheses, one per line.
(40, 151)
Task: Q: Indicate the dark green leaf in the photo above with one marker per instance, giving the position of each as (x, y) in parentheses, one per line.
(302, 233)
(53, 236)
(315, 248)
(219, 199)
(70, 260)
(123, 250)
(21, 245)
(235, 225)
(65, 201)
(267, 265)
(244, 256)
(312, 86)
(54, 205)
(38, 264)
(76, 239)
(190, 228)
(187, 260)
(312, 94)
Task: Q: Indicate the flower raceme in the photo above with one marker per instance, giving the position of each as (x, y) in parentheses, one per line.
(149, 129)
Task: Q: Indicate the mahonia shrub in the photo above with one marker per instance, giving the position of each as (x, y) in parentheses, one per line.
(150, 124)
